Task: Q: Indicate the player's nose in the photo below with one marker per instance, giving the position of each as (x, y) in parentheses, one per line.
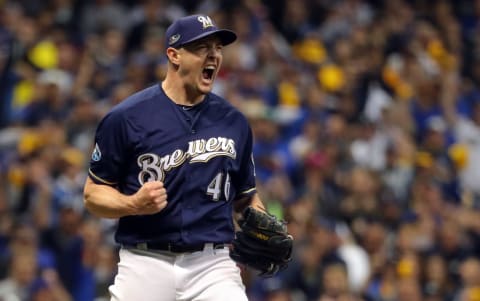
(212, 54)
(214, 50)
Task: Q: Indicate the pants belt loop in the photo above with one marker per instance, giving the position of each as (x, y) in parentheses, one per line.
(209, 247)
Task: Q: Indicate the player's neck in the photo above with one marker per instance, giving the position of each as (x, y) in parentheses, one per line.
(179, 94)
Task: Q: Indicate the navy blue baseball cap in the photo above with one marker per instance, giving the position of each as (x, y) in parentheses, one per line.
(195, 27)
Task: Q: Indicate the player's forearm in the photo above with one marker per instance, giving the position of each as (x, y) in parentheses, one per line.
(257, 203)
(105, 201)
(253, 201)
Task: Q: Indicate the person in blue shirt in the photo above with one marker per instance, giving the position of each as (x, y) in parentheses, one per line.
(173, 163)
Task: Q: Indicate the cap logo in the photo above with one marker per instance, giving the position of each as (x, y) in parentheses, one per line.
(173, 39)
(206, 21)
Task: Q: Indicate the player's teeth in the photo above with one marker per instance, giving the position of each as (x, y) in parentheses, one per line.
(208, 72)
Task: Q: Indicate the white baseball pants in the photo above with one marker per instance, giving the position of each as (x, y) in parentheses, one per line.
(208, 275)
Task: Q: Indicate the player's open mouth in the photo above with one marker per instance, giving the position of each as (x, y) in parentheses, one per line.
(208, 72)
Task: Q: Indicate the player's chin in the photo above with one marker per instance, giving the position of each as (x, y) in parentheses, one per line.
(205, 86)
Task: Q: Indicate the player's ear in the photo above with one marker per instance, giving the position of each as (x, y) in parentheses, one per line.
(173, 55)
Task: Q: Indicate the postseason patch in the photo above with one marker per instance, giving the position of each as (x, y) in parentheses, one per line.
(96, 154)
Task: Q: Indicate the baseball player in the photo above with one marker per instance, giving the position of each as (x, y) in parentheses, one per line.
(172, 163)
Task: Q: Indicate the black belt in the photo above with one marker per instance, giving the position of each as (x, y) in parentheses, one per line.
(175, 248)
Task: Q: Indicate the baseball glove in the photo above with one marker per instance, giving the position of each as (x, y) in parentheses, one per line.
(263, 243)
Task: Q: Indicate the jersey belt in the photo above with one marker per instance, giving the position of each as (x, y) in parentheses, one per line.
(175, 248)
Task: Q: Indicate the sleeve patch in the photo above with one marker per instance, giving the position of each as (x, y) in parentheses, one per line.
(96, 154)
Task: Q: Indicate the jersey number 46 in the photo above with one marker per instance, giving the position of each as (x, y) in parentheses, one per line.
(216, 186)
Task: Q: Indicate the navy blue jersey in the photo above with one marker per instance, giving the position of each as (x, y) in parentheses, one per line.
(203, 156)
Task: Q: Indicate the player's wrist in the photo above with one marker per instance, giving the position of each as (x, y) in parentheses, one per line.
(130, 207)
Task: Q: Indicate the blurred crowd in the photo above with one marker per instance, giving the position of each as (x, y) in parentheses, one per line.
(366, 118)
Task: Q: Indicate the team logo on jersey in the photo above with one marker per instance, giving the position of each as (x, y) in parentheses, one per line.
(206, 21)
(96, 154)
(200, 150)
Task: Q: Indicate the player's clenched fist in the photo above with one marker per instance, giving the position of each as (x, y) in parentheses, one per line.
(149, 199)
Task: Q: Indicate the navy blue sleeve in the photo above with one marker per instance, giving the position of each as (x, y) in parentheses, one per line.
(245, 180)
(111, 149)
